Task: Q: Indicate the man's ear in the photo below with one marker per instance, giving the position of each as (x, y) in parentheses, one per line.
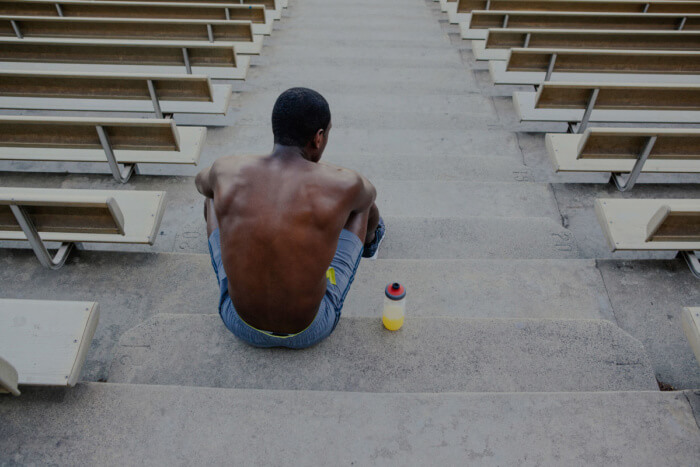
(318, 138)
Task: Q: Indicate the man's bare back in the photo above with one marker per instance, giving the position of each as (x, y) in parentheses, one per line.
(279, 218)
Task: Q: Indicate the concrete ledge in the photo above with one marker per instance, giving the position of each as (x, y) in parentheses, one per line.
(426, 355)
(120, 424)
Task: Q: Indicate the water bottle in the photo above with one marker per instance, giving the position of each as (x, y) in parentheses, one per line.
(394, 306)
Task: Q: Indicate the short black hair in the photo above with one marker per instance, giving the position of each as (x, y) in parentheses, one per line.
(297, 115)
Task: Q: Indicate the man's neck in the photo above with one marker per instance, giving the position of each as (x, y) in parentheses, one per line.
(288, 152)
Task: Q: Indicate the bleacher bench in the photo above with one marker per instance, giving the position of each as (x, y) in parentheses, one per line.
(481, 21)
(46, 341)
(160, 94)
(690, 319)
(458, 10)
(256, 14)
(66, 216)
(275, 6)
(532, 66)
(236, 33)
(115, 141)
(604, 102)
(652, 225)
(148, 57)
(626, 151)
(499, 41)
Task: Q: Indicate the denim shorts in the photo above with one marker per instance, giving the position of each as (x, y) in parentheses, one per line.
(340, 275)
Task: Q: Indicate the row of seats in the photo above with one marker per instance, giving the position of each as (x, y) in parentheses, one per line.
(631, 67)
(108, 58)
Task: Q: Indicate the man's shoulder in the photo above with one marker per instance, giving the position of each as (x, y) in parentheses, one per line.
(339, 175)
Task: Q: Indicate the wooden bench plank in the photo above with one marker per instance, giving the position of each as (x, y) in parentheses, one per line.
(142, 212)
(530, 66)
(607, 6)
(616, 150)
(480, 21)
(566, 102)
(91, 215)
(262, 22)
(74, 139)
(47, 341)
(275, 6)
(236, 33)
(690, 319)
(500, 41)
(625, 223)
(90, 56)
(111, 92)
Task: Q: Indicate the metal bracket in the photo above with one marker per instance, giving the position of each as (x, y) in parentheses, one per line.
(228, 13)
(59, 10)
(505, 21)
(527, 41)
(646, 8)
(682, 25)
(691, 257)
(186, 58)
(624, 185)
(550, 68)
(120, 174)
(488, 5)
(40, 250)
(154, 98)
(589, 109)
(210, 33)
(15, 27)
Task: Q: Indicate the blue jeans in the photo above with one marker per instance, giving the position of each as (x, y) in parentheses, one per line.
(340, 276)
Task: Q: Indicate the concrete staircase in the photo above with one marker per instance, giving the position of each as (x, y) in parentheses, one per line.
(520, 346)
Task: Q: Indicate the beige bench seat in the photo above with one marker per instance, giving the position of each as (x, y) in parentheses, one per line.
(533, 66)
(256, 14)
(146, 57)
(458, 10)
(125, 141)
(109, 92)
(622, 150)
(274, 6)
(236, 33)
(605, 102)
(499, 41)
(481, 21)
(74, 216)
(652, 224)
(47, 341)
(690, 319)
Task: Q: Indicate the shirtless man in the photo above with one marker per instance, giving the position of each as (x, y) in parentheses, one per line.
(286, 232)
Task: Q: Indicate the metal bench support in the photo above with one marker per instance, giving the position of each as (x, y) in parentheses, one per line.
(15, 27)
(186, 58)
(40, 250)
(121, 174)
(691, 257)
(550, 68)
(589, 110)
(154, 99)
(624, 185)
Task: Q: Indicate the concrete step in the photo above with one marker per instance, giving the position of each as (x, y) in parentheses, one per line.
(165, 425)
(375, 166)
(351, 109)
(149, 284)
(427, 355)
(426, 220)
(491, 142)
(386, 57)
(368, 82)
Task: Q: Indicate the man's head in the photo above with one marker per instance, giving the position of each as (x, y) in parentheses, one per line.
(301, 117)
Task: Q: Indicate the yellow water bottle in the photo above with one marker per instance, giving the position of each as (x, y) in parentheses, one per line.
(394, 306)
